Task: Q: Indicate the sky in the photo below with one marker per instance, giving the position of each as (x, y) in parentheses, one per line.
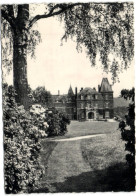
(58, 65)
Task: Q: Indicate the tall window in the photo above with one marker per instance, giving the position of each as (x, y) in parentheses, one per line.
(92, 105)
(96, 96)
(107, 115)
(82, 105)
(107, 104)
(106, 97)
(96, 105)
(82, 97)
(88, 105)
(82, 114)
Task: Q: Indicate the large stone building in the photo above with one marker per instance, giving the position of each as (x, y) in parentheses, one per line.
(88, 104)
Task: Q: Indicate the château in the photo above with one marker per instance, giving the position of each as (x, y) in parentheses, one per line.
(88, 103)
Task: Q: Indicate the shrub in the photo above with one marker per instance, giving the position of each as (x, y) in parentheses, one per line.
(127, 128)
(21, 146)
(22, 132)
(57, 123)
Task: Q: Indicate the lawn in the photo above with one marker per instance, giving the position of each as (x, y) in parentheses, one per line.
(106, 157)
(76, 128)
(90, 127)
(88, 165)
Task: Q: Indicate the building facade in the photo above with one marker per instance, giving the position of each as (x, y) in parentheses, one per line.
(88, 104)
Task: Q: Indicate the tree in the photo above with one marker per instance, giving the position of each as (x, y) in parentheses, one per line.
(104, 28)
(128, 128)
(42, 96)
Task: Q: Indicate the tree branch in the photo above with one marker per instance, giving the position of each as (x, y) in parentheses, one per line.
(62, 7)
(8, 18)
(10, 11)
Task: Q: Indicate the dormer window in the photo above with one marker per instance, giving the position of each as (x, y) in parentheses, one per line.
(88, 96)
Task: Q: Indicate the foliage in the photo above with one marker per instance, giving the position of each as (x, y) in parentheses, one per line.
(120, 112)
(22, 132)
(102, 28)
(57, 123)
(42, 96)
(128, 128)
(21, 146)
(105, 29)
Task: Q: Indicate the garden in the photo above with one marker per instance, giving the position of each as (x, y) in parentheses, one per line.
(23, 131)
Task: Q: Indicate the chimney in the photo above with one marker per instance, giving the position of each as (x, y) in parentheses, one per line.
(76, 91)
(81, 89)
(98, 88)
(58, 92)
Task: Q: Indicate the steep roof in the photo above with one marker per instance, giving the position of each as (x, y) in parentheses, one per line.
(105, 86)
(88, 91)
(70, 91)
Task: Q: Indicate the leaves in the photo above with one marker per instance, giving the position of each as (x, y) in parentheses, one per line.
(21, 146)
(128, 128)
(22, 133)
(104, 29)
(42, 96)
(34, 38)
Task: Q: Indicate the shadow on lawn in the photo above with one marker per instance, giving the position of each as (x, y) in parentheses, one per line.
(47, 149)
(114, 178)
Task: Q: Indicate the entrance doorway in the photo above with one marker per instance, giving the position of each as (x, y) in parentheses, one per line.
(91, 115)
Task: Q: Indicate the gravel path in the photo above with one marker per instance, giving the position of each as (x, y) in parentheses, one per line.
(76, 138)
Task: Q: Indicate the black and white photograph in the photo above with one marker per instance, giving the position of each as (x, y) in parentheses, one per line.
(68, 96)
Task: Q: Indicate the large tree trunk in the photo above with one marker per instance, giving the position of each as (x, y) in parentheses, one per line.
(20, 41)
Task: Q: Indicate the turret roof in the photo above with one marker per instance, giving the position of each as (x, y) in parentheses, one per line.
(105, 86)
(70, 91)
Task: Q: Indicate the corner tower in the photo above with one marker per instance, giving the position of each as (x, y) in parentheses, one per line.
(71, 104)
(107, 94)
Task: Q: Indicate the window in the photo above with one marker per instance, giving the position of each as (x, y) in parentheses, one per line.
(88, 105)
(96, 105)
(91, 105)
(107, 115)
(82, 105)
(82, 97)
(88, 97)
(82, 114)
(107, 105)
(96, 96)
(106, 97)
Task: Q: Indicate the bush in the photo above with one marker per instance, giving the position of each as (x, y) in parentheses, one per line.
(57, 123)
(22, 132)
(127, 128)
(21, 146)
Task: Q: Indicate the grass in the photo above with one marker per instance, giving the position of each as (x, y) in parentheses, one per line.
(89, 165)
(91, 127)
(109, 171)
(76, 129)
(101, 152)
(106, 156)
(46, 151)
